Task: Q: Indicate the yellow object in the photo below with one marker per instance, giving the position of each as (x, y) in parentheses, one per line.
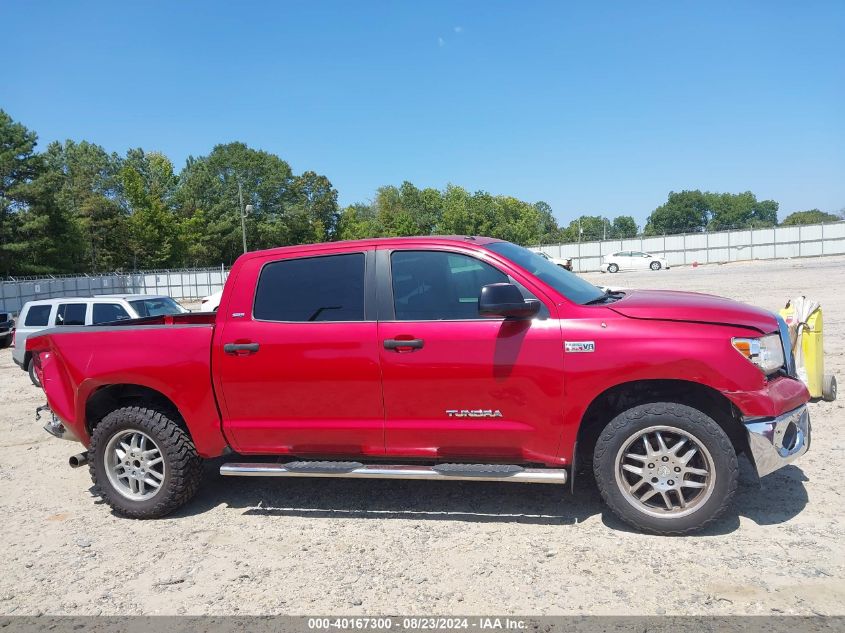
(809, 351)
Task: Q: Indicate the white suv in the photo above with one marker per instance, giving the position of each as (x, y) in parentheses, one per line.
(46, 313)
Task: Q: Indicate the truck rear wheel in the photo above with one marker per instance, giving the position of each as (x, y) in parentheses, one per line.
(144, 464)
(665, 468)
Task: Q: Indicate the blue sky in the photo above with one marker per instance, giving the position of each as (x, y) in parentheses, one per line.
(592, 107)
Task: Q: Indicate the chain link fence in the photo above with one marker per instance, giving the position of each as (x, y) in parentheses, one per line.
(811, 240)
(187, 284)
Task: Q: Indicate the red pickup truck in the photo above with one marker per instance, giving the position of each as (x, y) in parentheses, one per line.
(452, 358)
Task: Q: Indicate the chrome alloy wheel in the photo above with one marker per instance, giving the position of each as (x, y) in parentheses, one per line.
(663, 471)
(134, 465)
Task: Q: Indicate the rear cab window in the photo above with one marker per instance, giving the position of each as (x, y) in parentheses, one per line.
(312, 289)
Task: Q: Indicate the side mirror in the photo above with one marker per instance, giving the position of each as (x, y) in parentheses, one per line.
(505, 300)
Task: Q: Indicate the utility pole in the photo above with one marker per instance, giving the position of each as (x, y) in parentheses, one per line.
(243, 211)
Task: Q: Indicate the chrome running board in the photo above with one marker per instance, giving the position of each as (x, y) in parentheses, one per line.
(356, 470)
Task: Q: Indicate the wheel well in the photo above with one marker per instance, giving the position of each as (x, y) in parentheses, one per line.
(107, 399)
(615, 400)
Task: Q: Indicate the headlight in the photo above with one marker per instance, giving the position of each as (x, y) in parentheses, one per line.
(766, 352)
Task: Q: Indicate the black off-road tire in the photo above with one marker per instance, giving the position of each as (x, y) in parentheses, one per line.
(5, 341)
(183, 466)
(693, 422)
(33, 376)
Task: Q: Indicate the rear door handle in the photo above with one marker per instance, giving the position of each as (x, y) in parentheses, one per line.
(400, 344)
(240, 348)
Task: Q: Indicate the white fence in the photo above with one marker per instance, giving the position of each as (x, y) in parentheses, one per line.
(781, 242)
(705, 248)
(179, 284)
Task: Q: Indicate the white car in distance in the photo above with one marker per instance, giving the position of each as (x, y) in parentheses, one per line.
(632, 260)
(211, 302)
(563, 263)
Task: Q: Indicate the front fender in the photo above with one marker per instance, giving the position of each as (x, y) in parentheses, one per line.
(630, 350)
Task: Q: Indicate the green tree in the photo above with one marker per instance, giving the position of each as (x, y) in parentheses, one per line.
(315, 207)
(19, 165)
(83, 179)
(623, 227)
(683, 212)
(813, 216)
(210, 184)
(587, 228)
(729, 211)
(154, 232)
(287, 209)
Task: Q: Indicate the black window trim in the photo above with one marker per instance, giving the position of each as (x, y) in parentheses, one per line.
(369, 285)
(384, 278)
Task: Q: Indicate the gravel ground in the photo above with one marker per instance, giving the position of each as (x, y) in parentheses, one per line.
(254, 546)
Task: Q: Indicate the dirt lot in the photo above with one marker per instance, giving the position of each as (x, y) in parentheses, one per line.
(320, 546)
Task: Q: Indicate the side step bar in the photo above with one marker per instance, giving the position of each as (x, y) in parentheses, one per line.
(452, 472)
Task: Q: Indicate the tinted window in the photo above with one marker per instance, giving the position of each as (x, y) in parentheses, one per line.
(38, 316)
(329, 288)
(71, 314)
(566, 283)
(155, 307)
(431, 285)
(108, 312)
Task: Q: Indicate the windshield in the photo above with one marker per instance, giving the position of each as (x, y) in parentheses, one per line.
(156, 307)
(566, 283)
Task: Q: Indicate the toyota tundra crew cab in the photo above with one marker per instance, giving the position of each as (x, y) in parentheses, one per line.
(450, 358)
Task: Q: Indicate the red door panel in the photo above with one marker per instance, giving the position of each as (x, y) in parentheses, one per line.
(312, 388)
(298, 382)
(512, 368)
(457, 386)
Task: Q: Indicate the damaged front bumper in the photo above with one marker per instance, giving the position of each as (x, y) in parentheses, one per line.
(776, 442)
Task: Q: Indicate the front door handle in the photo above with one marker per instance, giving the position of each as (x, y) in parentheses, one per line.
(241, 349)
(403, 344)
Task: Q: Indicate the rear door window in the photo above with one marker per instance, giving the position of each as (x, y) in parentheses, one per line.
(108, 312)
(71, 314)
(326, 288)
(38, 316)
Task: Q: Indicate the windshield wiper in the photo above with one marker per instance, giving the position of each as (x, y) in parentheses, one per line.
(607, 297)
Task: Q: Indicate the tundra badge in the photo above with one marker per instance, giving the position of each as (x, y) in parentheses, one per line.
(473, 413)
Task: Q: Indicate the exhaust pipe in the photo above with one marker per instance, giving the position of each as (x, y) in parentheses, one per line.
(78, 460)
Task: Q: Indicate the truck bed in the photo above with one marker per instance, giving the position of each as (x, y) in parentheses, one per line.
(169, 354)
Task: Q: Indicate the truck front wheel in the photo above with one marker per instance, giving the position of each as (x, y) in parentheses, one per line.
(143, 463)
(665, 468)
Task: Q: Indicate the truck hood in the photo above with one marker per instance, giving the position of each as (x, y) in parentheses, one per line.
(671, 305)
